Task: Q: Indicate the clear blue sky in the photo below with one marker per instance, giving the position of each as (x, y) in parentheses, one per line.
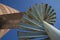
(23, 5)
